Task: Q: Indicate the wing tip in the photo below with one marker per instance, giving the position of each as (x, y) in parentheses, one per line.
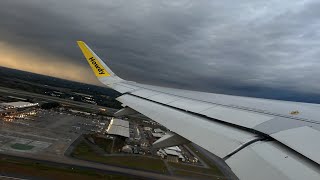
(80, 42)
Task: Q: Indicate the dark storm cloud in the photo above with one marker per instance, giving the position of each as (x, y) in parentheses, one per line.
(244, 47)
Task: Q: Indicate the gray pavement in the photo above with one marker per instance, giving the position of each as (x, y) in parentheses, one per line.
(98, 166)
(10, 178)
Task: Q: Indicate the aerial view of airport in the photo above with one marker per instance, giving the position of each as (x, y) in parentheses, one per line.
(159, 90)
(71, 127)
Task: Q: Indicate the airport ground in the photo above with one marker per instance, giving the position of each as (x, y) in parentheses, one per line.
(13, 167)
(67, 102)
(84, 150)
(48, 136)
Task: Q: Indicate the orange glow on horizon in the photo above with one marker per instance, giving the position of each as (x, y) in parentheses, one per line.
(36, 62)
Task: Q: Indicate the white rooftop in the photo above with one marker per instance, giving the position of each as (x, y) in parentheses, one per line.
(171, 152)
(157, 135)
(174, 148)
(158, 130)
(118, 127)
(120, 122)
(19, 104)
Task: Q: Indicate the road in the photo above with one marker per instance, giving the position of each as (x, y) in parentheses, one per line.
(10, 178)
(81, 164)
(56, 99)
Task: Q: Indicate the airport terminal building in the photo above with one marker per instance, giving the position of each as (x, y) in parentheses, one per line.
(12, 107)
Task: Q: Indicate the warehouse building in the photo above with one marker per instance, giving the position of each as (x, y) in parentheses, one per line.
(19, 105)
(173, 154)
(118, 127)
(13, 107)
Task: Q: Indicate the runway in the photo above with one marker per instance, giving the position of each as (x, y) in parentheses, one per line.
(88, 165)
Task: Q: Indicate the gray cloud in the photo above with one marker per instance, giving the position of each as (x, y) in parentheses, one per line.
(205, 45)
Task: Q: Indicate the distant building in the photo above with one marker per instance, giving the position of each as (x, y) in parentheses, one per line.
(135, 150)
(158, 130)
(118, 127)
(178, 151)
(12, 107)
(174, 148)
(173, 154)
(127, 149)
(4, 111)
(80, 112)
(147, 128)
(144, 144)
(157, 135)
(19, 105)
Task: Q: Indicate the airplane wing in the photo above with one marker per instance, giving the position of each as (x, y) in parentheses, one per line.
(257, 138)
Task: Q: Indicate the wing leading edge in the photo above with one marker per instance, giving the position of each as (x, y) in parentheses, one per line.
(272, 142)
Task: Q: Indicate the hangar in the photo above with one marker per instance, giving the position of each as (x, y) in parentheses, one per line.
(118, 127)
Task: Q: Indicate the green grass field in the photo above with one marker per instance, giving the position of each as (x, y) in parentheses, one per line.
(83, 151)
(30, 168)
(22, 146)
(105, 144)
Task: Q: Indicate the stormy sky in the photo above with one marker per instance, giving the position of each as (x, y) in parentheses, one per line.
(256, 48)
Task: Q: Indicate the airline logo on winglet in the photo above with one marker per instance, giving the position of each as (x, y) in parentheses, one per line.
(96, 65)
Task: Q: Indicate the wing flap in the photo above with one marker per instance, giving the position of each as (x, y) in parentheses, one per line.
(257, 160)
(217, 138)
(303, 140)
(250, 119)
(271, 160)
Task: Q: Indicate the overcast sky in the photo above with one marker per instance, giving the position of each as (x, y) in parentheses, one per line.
(244, 47)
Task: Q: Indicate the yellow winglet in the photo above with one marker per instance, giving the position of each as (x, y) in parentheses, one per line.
(94, 61)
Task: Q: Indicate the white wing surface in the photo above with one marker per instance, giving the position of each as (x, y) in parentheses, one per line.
(258, 138)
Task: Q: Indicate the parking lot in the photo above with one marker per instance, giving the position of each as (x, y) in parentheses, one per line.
(47, 132)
